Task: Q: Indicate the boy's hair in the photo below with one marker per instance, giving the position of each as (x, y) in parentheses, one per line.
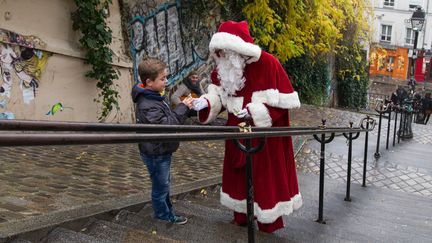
(149, 68)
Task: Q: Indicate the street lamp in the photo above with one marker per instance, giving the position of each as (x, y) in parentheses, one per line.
(405, 126)
(417, 21)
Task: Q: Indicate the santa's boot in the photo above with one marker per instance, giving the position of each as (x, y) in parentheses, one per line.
(270, 228)
(240, 219)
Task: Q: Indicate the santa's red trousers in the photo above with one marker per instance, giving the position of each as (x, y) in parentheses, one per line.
(241, 219)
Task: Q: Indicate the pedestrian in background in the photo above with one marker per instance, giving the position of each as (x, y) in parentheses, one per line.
(189, 86)
(427, 107)
(153, 108)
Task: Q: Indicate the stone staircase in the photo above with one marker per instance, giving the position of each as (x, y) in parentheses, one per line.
(374, 215)
(208, 222)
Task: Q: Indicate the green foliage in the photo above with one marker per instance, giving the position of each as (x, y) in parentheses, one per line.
(291, 28)
(298, 32)
(352, 76)
(351, 65)
(232, 10)
(309, 78)
(96, 37)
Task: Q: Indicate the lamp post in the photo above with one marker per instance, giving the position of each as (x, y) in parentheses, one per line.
(417, 21)
(405, 128)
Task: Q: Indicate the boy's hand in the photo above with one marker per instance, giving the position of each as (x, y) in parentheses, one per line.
(199, 104)
(188, 102)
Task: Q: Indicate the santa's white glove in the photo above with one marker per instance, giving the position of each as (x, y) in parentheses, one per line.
(242, 113)
(199, 104)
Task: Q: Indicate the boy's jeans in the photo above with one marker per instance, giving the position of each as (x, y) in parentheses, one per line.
(159, 167)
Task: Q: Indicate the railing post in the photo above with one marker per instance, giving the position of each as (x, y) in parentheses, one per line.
(405, 123)
(249, 150)
(350, 138)
(399, 133)
(377, 153)
(389, 108)
(323, 141)
(368, 119)
(250, 193)
(395, 125)
(321, 182)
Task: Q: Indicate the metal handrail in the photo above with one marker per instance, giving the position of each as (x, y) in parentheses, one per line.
(38, 139)
(39, 133)
(27, 125)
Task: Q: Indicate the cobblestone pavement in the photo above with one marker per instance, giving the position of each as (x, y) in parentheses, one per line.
(40, 180)
(392, 176)
(406, 167)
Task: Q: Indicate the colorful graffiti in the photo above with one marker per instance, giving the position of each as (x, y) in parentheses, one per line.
(7, 116)
(57, 107)
(19, 56)
(158, 32)
(9, 37)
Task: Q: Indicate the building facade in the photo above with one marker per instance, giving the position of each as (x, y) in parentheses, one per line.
(393, 40)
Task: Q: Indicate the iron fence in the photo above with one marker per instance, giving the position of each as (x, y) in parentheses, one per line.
(41, 133)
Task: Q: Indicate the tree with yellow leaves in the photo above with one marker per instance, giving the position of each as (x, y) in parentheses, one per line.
(308, 30)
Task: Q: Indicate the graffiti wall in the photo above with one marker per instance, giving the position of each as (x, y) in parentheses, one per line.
(22, 65)
(178, 32)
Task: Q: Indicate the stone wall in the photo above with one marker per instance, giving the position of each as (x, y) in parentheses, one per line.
(42, 65)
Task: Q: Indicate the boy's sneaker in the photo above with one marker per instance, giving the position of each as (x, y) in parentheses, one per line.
(177, 219)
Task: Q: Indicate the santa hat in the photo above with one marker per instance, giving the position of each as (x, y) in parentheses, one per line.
(235, 36)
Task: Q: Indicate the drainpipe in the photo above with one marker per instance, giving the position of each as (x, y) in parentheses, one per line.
(425, 24)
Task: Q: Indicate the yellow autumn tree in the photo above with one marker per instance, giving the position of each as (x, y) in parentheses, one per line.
(290, 28)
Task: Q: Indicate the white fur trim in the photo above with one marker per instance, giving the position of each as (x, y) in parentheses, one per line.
(216, 90)
(234, 104)
(223, 40)
(274, 98)
(265, 216)
(215, 107)
(260, 114)
(213, 89)
(289, 101)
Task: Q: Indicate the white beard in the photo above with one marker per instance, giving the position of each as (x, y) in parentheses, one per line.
(230, 72)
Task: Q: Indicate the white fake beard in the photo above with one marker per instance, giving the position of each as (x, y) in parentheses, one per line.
(230, 72)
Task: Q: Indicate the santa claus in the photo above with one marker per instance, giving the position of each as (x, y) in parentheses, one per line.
(250, 82)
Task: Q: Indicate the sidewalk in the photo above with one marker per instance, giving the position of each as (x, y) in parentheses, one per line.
(44, 186)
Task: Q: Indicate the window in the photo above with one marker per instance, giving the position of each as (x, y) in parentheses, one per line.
(386, 33)
(413, 7)
(388, 3)
(409, 39)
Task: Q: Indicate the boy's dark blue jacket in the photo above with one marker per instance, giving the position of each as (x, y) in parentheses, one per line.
(152, 108)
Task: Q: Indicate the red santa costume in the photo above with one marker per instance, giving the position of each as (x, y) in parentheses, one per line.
(266, 92)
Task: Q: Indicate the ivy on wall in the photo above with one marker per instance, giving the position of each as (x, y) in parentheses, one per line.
(309, 78)
(89, 18)
(352, 76)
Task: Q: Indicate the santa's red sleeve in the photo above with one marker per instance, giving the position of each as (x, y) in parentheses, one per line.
(273, 97)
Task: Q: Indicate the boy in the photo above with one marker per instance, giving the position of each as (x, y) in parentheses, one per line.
(152, 108)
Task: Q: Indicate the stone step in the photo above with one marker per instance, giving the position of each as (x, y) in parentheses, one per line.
(113, 232)
(195, 206)
(374, 214)
(198, 229)
(20, 241)
(68, 236)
